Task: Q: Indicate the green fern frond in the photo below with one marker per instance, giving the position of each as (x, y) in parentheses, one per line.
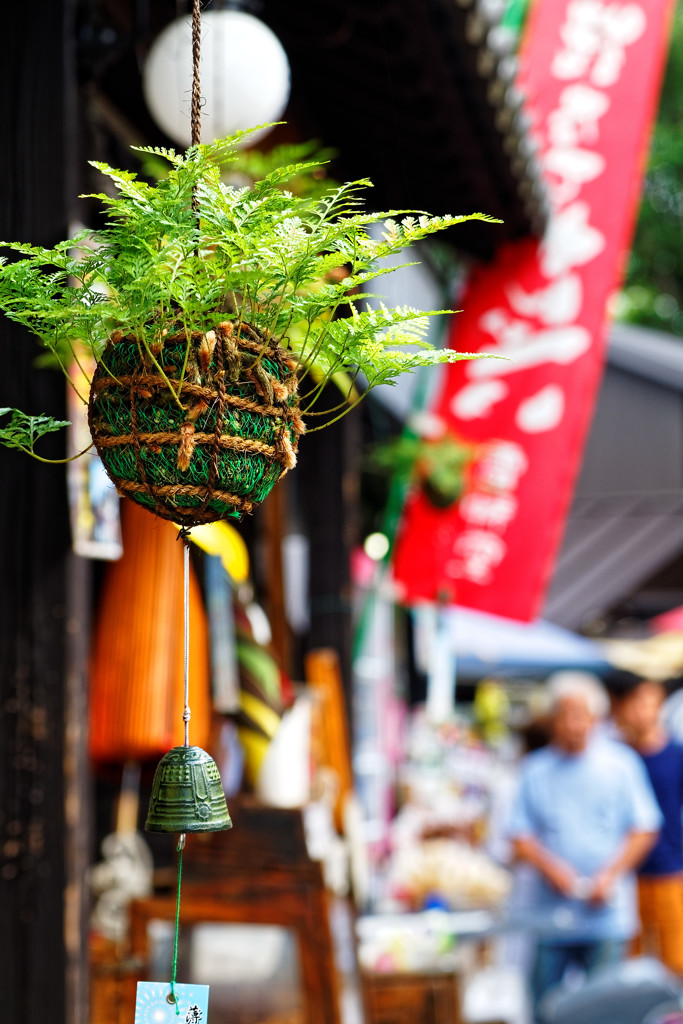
(24, 431)
(160, 151)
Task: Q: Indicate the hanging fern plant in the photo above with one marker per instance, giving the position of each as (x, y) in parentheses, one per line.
(439, 466)
(217, 315)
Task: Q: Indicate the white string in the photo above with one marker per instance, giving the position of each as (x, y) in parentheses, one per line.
(187, 714)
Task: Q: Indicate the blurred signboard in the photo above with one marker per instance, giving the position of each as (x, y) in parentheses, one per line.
(590, 70)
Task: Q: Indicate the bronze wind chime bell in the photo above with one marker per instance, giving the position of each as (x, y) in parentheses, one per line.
(187, 794)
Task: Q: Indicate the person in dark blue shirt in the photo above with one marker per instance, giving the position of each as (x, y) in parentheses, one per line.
(637, 707)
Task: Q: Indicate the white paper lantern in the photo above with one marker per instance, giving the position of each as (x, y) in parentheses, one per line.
(244, 76)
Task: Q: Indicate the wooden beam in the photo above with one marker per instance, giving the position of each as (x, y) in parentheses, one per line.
(36, 133)
(274, 511)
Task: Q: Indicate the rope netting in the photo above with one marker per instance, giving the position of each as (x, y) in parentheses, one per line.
(218, 450)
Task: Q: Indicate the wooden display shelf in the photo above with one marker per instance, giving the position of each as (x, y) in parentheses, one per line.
(411, 998)
(259, 872)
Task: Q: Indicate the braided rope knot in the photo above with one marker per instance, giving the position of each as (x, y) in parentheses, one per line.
(186, 447)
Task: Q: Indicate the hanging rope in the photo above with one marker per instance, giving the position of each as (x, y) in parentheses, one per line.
(196, 105)
(187, 714)
(196, 101)
(174, 968)
(184, 535)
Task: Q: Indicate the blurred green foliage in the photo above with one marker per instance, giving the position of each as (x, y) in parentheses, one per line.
(653, 290)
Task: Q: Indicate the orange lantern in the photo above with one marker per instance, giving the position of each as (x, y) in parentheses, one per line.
(137, 663)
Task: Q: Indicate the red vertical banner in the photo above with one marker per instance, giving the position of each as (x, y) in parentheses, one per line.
(590, 71)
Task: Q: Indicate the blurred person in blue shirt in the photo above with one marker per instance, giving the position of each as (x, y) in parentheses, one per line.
(584, 818)
(637, 706)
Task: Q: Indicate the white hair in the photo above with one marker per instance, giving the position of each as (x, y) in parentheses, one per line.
(578, 684)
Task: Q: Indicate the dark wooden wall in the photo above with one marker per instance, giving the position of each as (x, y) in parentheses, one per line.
(39, 980)
(327, 476)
